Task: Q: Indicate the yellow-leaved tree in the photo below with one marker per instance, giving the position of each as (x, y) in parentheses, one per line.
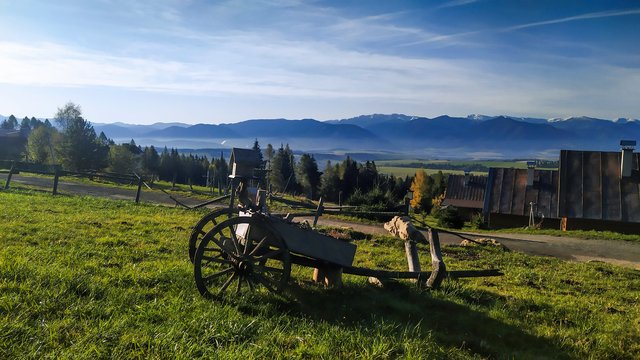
(420, 188)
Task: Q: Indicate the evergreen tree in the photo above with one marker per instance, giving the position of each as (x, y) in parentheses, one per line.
(308, 175)
(79, 148)
(330, 182)
(150, 161)
(256, 148)
(10, 123)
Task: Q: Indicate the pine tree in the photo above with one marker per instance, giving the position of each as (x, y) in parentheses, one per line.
(79, 148)
(308, 175)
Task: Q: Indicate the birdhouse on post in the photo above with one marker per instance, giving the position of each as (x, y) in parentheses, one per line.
(243, 163)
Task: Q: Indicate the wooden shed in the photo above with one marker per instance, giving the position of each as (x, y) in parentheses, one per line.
(465, 192)
(600, 190)
(511, 193)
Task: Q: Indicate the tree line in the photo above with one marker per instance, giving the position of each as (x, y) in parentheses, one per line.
(75, 144)
(348, 181)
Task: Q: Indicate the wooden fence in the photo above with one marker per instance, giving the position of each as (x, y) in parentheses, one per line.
(15, 167)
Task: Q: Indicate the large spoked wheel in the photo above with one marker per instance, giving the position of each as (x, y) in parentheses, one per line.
(241, 254)
(205, 225)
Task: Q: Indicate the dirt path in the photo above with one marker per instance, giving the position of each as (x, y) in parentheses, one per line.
(623, 253)
(617, 252)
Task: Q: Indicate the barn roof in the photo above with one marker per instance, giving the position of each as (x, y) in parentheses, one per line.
(469, 195)
(508, 192)
(592, 186)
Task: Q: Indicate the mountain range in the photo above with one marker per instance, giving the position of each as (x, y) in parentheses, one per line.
(442, 136)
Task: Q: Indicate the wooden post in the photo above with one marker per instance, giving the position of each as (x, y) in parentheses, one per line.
(319, 211)
(407, 204)
(56, 177)
(329, 276)
(13, 166)
(439, 270)
(563, 224)
(411, 251)
(139, 189)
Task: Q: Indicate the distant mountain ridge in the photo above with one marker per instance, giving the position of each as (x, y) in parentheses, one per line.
(391, 132)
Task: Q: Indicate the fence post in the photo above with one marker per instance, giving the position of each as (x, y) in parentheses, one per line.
(13, 166)
(56, 177)
(438, 268)
(139, 188)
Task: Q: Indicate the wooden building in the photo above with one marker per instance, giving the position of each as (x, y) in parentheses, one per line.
(465, 192)
(513, 194)
(600, 190)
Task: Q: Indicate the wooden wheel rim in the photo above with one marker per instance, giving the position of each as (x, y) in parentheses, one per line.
(225, 262)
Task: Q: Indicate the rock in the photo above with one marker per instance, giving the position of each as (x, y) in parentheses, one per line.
(483, 242)
(402, 227)
(386, 283)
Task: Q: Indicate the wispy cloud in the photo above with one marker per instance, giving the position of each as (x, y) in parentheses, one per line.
(593, 15)
(454, 3)
(587, 16)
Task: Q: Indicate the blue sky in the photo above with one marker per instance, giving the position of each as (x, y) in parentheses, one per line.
(227, 61)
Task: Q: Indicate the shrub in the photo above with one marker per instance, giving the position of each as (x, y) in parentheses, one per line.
(450, 217)
(477, 221)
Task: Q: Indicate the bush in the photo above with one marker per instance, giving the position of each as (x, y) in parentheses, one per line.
(477, 221)
(450, 217)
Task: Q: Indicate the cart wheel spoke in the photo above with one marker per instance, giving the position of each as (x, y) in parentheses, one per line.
(227, 283)
(239, 288)
(269, 255)
(208, 279)
(234, 239)
(250, 282)
(217, 260)
(269, 269)
(260, 244)
(262, 280)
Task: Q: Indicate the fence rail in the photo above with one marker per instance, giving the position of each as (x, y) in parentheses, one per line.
(15, 167)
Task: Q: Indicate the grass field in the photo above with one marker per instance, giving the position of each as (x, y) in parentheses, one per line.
(93, 278)
(408, 167)
(411, 171)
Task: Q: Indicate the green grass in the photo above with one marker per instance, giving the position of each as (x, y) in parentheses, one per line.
(408, 167)
(429, 220)
(93, 278)
(411, 171)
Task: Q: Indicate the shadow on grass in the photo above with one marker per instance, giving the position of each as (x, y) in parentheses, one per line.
(450, 324)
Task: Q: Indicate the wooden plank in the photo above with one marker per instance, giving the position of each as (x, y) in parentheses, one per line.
(574, 184)
(553, 204)
(497, 191)
(562, 184)
(520, 188)
(315, 245)
(543, 192)
(611, 199)
(592, 177)
(505, 193)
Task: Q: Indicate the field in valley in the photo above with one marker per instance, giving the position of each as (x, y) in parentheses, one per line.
(408, 167)
(83, 277)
